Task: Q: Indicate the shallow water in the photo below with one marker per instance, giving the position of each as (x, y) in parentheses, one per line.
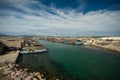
(77, 63)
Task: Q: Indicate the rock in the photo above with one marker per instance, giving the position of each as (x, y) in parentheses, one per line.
(32, 75)
(38, 76)
(24, 74)
(7, 71)
(25, 69)
(1, 68)
(21, 76)
(18, 78)
(10, 65)
(20, 69)
(15, 69)
(6, 78)
(13, 77)
(28, 78)
(57, 79)
(37, 73)
(44, 79)
(5, 68)
(34, 78)
(42, 75)
(18, 73)
(16, 65)
(12, 73)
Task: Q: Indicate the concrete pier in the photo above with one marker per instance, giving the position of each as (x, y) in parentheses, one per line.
(10, 57)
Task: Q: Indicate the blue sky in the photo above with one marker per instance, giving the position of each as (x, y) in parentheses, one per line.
(60, 17)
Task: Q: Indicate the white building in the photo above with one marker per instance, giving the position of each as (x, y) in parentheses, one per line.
(110, 38)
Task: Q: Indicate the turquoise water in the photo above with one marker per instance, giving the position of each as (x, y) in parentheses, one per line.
(80, 63)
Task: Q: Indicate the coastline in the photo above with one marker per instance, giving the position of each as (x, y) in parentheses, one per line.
(108, 47)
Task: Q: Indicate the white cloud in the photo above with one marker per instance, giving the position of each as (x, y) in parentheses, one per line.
(56, 21)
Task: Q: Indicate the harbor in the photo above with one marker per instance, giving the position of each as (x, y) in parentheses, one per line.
(59, 40)
(46, 58)
(74, 63)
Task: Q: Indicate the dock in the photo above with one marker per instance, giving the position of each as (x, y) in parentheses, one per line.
(30, 46)
(10, 57)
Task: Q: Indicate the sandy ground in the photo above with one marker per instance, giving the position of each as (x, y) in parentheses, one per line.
(15, 42)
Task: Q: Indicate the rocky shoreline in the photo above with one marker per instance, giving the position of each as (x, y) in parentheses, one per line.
(16, 72)
(108, 47)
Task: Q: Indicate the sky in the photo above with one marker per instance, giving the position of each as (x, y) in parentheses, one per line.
(60, 17)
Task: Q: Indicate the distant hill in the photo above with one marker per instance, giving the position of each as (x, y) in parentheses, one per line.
(3, 35)
(28, 36)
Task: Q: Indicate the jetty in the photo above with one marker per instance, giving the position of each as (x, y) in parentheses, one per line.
(11, 57)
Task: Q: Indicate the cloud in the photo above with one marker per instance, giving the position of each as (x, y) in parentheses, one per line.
(36, 18)
(82, 5)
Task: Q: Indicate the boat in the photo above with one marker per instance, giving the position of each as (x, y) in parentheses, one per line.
(35, 51)
(85, 44)
(77, 43)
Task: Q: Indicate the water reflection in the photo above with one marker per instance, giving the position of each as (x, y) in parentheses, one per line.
(44, 64)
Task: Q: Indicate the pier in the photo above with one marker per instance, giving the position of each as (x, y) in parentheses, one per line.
(11, 57)
(32, 46)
